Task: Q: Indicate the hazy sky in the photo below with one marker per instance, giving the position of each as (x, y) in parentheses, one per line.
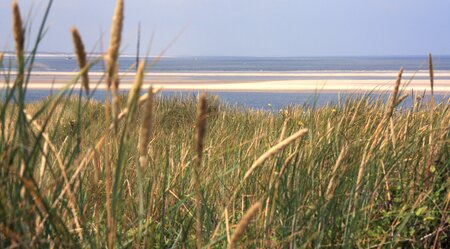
(250, 27)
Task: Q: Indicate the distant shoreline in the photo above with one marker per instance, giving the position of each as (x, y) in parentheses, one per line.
(132, 55)
(314, 73)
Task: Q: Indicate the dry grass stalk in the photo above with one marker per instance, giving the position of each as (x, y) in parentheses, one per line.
(331, 185)
(102, 141)
(40, 204)
(274, 150)
(110, 227)
(329, 131)
(137, 85)
(8, 233)
(143, 98)
(386, 183)
(283, 130)
(110, 220)
(362, 167)
(114, 43)
(277, 185)
(430, 67)
(81, 58)
(115, 105)
(227, 226)
(447, 198)
(146, 129)
(71, 197)
(112, 76)
(1, 58)
(443, 219)
(38, 201)
(401, 99)
(125, 111)
(243, 224)
(201, 126)
(199, 137)
(19, 35)
(43, 163)
(395, 93)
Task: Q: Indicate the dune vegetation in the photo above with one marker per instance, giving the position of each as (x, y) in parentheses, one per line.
(141, 170)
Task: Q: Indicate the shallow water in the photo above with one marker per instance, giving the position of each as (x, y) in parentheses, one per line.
(67, 63)
(255, 100)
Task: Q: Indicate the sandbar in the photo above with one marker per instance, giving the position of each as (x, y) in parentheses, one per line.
(297, 81)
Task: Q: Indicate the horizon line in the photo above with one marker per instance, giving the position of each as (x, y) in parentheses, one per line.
(12, 53)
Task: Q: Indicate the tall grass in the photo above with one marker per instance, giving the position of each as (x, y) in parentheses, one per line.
(187, 172)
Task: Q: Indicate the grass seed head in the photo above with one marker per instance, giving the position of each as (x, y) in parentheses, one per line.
(430, 67)
(114, 43)
(274, 150)
(146, 128)
(395, 93)
(137, 85)
(401, 99)
(243, 224)
(201, 125)
(81, 58)
(19, 34)
(199, 137)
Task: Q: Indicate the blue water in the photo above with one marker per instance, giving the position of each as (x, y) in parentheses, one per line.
(257, 100)
(176, 64)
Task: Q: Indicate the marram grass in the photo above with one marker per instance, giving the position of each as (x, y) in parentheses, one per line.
(316, 198)
(187, 172)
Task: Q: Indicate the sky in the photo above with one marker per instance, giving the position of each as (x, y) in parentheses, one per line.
(246, 27)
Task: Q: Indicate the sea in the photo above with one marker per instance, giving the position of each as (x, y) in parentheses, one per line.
(256, 100)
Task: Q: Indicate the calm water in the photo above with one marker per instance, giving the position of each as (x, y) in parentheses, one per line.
(256, 100)
(66, 63)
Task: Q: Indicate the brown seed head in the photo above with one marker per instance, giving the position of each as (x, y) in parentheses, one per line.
(81, 58)
(331, 183)
(146, 128)
(274, 150)
(201, 125)
(395, 93)
(400, 99)
(114, 43)
(430, 66)
(199, 137)
(18, 34)
(136, 88)
(243, 224)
